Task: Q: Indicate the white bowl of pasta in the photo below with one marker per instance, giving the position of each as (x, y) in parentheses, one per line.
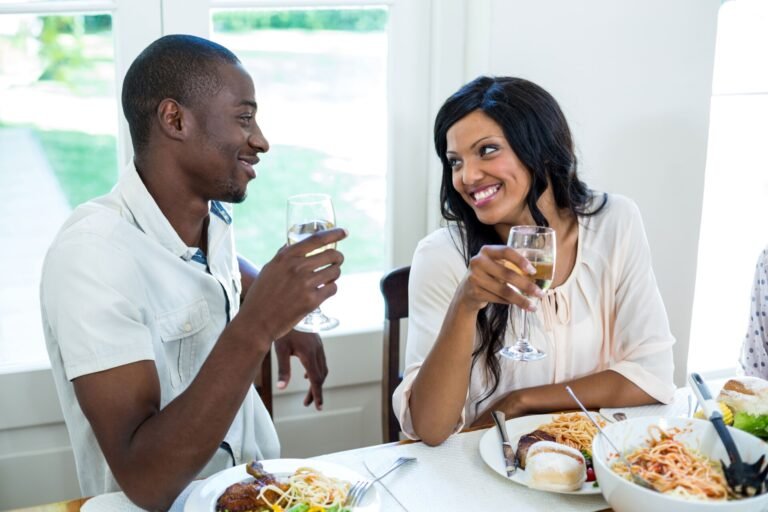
(680, 457)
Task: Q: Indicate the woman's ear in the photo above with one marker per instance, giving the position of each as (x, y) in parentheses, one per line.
(173, 119)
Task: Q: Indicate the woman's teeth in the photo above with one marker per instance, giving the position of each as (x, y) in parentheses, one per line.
(485, 193)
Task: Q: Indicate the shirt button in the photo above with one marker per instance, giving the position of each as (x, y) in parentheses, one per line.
(187, 327)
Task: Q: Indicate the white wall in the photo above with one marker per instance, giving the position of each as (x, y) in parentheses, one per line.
(634, 79)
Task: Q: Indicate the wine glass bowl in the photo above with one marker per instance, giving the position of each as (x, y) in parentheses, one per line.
(537, 245)
(308, 214)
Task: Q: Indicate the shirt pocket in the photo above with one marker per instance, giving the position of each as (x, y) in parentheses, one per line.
(183, 334)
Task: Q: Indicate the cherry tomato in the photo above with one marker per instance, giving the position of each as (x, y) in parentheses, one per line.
(590, 475)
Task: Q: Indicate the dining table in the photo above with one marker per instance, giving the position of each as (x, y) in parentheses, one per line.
(451, 476)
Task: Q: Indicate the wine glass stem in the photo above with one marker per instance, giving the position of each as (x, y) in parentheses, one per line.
(522, 325)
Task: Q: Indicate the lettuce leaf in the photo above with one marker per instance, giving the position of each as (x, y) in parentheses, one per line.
(756, 425)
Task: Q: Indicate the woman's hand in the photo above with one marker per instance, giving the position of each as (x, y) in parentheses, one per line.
(512, 405)
(489, 276)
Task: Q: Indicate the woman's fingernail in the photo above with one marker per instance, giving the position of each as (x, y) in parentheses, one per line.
(281, 384)
(530, 269)
(539, 293)
(532, 306)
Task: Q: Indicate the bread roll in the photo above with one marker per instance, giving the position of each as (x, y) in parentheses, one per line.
(555, 467)
(746, 394)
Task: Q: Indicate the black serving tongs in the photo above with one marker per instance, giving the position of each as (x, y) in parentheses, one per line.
(744, 479)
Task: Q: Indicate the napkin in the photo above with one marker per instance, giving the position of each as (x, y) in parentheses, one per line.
(119, 502)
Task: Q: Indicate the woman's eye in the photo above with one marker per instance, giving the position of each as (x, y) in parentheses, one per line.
(487, 150)
(454, 162)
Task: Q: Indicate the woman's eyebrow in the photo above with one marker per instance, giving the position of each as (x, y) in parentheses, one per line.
(478, 141)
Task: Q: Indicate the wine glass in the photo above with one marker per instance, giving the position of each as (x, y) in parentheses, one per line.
(537, 245)
(308, 214)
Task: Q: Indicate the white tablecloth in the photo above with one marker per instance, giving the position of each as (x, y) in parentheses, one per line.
(451, 476)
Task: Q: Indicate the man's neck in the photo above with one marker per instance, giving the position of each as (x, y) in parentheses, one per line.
(186, 212)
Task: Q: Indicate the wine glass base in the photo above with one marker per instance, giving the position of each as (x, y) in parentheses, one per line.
(316, 323)
(530, 354)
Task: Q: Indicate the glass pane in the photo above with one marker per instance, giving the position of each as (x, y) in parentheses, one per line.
(320, 78)
(735, 190)
(58, 125)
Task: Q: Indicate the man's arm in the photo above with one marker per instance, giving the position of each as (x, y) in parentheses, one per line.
(154, 453)
(308, 347)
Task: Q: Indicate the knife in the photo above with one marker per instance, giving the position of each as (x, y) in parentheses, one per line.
(510, 457)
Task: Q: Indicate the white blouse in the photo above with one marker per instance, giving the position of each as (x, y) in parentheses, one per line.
(608, 315)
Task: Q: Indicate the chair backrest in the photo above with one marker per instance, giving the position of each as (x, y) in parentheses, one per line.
(394, 288)
(264, 382)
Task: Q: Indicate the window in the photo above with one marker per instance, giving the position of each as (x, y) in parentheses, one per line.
(335, 119)
(735, 189)
(61, 137)
(58, 128)
(320, 79)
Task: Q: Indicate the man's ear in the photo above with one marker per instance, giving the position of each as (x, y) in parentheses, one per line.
(173, 119)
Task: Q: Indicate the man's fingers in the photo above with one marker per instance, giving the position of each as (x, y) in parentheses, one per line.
(320, 239)
(283, 356)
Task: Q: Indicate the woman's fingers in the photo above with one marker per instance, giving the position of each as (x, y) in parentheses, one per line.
(500, 274)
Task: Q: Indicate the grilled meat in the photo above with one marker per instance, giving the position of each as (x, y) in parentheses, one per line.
(526, 441)
(244, 496)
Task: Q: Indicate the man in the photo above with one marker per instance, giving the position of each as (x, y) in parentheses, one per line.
(155, 328)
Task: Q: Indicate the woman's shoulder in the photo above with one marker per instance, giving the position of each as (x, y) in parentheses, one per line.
(612, 210)
(441, 239)
(440, 247)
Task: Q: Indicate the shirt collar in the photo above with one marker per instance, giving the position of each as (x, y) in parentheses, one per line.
(150, 219)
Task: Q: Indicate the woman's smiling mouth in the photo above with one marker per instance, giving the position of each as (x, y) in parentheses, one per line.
(484, 195)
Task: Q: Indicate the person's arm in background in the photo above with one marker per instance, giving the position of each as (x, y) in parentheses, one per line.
(308, 347)
(754, 350)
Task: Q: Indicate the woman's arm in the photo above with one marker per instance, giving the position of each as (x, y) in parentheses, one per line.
(602, 389)
(439, 390)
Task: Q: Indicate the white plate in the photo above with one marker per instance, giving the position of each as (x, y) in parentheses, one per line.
(490, 449)
(204, 496)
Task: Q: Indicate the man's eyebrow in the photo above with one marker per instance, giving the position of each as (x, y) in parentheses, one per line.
(249, 103)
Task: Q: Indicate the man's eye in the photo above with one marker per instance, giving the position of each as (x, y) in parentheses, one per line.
(487, 150)
(246, 118)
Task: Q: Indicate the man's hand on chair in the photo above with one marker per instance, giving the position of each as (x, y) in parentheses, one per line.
(308, 347)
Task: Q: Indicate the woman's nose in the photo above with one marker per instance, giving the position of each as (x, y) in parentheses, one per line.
(470, 173)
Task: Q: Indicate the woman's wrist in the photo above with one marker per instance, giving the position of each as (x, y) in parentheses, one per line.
(515, 404)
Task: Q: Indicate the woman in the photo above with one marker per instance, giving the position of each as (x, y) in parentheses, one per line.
(508, 160)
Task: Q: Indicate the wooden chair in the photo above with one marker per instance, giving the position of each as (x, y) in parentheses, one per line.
(264, 382)
(394, 288)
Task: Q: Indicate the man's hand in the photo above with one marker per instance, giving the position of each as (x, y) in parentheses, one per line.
(309, 349)
(291, 285)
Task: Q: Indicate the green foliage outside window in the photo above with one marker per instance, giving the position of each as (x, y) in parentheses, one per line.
(356, 20)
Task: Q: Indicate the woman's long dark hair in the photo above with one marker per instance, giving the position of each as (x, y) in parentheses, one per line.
(538, 133)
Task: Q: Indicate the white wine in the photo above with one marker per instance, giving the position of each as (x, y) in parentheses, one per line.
(544, 265)
(541, 261)
(299, 232)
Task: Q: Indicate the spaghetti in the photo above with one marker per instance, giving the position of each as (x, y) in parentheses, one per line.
(306, 486)
(671, 467)
(572, 429)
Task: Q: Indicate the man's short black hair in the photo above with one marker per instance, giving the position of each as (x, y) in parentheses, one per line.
(181, 67)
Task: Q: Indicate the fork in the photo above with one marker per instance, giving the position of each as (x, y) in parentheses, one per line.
(744, 479)
(358, 490)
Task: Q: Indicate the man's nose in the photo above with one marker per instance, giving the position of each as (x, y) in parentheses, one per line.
(258, 141)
